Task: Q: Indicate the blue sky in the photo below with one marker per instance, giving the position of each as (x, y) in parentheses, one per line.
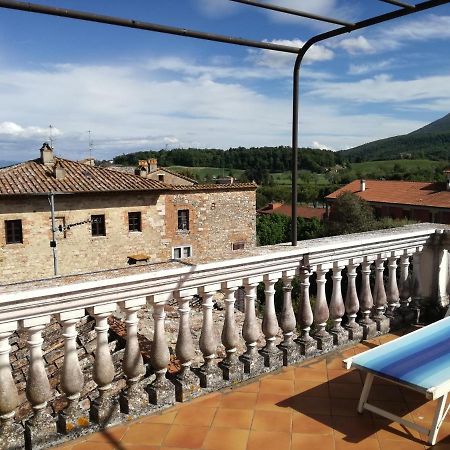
(138, 90)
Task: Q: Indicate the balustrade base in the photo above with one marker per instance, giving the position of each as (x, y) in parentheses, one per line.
(395, 320)
(233, 372)
(308, 347)
(408, 315)
(369, 330)
(324, 342)
(340, 336)
(39, 431)
(11, 436)
(291, 354)
(272, 359)
(355, 333)
(186, 387)
(382, 324)
(134, 401)
(161, 392)
(72, 420)
(105, 411)
(253, 365)
(211, 377)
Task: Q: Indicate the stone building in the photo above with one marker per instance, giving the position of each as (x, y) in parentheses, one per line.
(105, 219)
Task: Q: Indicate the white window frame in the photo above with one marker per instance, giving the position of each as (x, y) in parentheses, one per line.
(182, 248)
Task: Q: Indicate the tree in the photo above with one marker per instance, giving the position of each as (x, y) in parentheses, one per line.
(272, 229)
(350, 214)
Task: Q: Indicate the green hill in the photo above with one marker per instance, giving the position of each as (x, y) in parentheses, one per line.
(429, 142)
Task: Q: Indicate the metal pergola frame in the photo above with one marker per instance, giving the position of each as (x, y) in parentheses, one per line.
(344, 27)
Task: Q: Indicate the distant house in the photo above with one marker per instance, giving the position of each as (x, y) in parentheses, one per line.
(421, 201)
(286, 210)
(106, 219)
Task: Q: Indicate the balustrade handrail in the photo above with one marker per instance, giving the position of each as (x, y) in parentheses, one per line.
(22, 301)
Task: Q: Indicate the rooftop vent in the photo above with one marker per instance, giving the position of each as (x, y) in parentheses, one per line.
(59, 171)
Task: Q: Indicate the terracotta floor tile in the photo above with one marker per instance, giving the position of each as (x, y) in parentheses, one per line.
(398, 408)
(272, 421)
(395, 431)
(344, 390)
(302, 441)
(139, 447)
(185, 436)
(400, 445)
(109, 435)
(195, 415)
(167, 417)
(310, 374)
(364, 444)
(268, 440)
(354, 429)
(311, 388)
(309, 405)
(392, 392)
(96, 446)
(146, 433)
(239, 400)
(226, 439)
(314, 364)
(335, 362)
(233, 418)
(287, 373)
(344, 376)
(208, 401)
(345, 407)
(272, 402)
(311, 424)
(277, 386)
(251, 387)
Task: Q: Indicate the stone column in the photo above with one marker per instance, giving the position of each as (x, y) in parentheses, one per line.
(232, 368)
(305, 316)
(253, 361)
(321, 313)
(73, 417)
(355, 332)
(105, 408)
(337, 308)
(186, 383)
(392, 293)
(134, 399)
(273, 356)
(416, 297)
(379, 296)
(161, 391)
(290, 349)
(11, 433)
(41, 428)
(366, 301)
(405, 289)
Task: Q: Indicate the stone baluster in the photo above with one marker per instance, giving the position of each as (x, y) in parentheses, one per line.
(253, 361)
(11, 433)
(290, 349)
(379, 296)
(321, 313)
(209, 372)
(41, 428)
(105, 408)
(405, 289)
(161, 391)
(134, 399)
(355, 331)
(73, 417)
(186, 383)
(337, 308)
(231, 367)
(392, 293)
(366, 301)
(273, 356)
(416, 297)
(305, 315)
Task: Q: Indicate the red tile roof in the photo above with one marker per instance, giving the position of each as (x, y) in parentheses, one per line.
(33, 177)
(399, 192)
(213, 187)
(286, 210)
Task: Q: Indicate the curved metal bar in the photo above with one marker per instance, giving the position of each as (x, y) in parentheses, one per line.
(130, 23)
(397, 3)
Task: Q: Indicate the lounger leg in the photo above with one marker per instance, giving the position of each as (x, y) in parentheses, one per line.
(437, 420)
(365, 392)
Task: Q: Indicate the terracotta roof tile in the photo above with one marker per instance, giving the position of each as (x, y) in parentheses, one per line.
(399, 192)
(172, 172)
(33, 177)
(213, 187)
(286, 210)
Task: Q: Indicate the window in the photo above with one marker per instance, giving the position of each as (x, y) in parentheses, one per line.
(183, 219)
(98, 225)
(13, 231)
(134, 221)
(182, 252)
(240, 245)
(161, 178)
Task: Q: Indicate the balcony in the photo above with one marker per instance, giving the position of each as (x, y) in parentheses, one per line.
(63, 391)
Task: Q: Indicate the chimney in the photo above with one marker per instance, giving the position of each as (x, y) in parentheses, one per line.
(47, 154)
(447, 186)
(362, 185)
(152, 165)
(88, 162)
(59, 171)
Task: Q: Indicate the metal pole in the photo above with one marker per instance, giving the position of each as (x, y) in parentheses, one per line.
(51, 199)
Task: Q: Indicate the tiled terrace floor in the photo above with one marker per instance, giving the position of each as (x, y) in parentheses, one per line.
(311, 406)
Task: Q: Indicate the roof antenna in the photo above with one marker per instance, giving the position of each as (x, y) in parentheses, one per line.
(90, 145)
(50, 137)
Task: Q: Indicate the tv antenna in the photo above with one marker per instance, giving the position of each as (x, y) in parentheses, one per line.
(50, 136)
(91, 144)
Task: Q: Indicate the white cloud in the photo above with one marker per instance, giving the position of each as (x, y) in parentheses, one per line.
(362, 69)
(320, 146)
(14, 130)
(425, 28)
(216, 9)
(355, 45)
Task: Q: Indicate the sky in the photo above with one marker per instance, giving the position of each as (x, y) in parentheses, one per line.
(137, 90)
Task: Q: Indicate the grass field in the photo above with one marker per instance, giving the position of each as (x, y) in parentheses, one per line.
(407, 164)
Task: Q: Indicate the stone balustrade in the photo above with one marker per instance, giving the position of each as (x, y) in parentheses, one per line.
(333, 317)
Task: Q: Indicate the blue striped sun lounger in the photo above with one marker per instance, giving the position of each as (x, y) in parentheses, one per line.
(420, 361)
